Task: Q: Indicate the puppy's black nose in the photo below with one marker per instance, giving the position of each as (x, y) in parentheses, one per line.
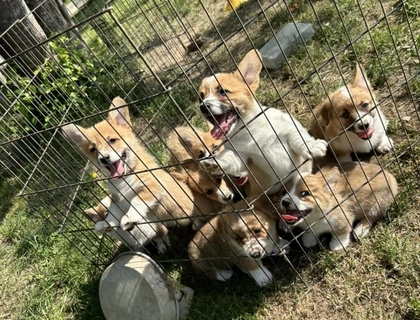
(363, 126)
(204, 108)
(238, 197)
(104, 160)
(230, 198)
(285, 203)
(256, 255)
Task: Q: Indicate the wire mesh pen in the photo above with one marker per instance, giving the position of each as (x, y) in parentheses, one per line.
(154, 55)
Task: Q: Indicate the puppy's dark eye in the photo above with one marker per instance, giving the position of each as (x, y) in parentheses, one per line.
(345, 114)
(305, 193)
(92, 149)
(257, 231)
(223, 92)
(201, 154)
(112, 140)
(365, 105)
(209, 191)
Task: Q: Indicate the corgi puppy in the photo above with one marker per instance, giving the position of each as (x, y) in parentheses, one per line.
(269, 142)
(186, 143)
(145, 198)
(351, 121)
(332, 201)
(240, 239)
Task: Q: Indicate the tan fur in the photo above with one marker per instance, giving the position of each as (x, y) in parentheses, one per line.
(98, 212)
(374, 191)
(186, 143)
(240, 239)
(344, 111)
(143, 194)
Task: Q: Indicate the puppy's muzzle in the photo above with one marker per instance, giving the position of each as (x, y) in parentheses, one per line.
(256, 253)
(205, 108)
(362, 126)
(104, 160)
(286, 203)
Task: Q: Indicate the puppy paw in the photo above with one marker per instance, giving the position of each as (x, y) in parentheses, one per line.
(317, 148)
(162, 244)
(361, 230)
(284, 246)
(211, 166)
(103, 227)
(126, 224)
(309, 240)
(262, 276)
(339, 243)
(386, 146)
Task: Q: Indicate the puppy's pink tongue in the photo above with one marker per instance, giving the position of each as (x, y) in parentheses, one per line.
(241, 181)
(221, 126)
(365, 134)
(217, 133)
(289, 218)
(116, 169)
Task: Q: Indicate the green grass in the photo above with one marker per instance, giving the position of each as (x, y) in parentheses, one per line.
(43, 275)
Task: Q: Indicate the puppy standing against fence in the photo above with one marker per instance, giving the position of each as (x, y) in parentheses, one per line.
(142, 193)
(351, 121)
(333, 200)
(272, 145)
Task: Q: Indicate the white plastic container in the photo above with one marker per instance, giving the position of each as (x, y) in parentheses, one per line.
(273, 55)
(134, 287)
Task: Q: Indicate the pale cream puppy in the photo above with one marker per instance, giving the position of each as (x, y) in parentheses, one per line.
(351, 121)
(332, 201)
(272, 144)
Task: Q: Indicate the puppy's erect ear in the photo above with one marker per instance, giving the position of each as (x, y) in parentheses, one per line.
(249, 69)
(117, 115)
(186, 138)
(360, 78)
(325, 112)
(75, 134)
(331, 178)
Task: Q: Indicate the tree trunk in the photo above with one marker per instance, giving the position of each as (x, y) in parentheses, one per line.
(19, 30)
(48, 15)
(3, 67)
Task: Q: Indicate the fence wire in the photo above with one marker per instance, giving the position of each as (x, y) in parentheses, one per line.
(154, 55)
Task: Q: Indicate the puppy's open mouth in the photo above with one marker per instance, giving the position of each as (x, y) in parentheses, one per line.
(117, 169)
(366, 134)
(293, 216)
(221, 123)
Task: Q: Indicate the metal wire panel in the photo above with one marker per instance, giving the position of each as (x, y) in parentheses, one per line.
(150, 53)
